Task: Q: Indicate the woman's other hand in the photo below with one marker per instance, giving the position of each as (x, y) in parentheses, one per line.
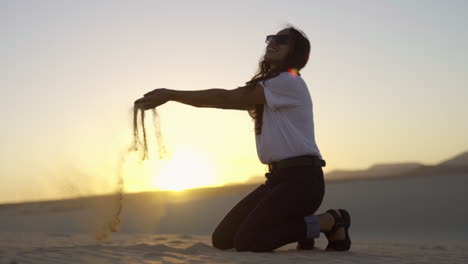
(153, 99)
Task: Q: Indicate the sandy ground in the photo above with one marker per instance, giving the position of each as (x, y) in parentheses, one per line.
(421, 220)
(150, 248)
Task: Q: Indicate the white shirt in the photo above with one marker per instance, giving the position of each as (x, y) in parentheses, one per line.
(288, 122)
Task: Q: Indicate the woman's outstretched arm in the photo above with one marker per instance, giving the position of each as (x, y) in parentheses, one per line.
(242, 98)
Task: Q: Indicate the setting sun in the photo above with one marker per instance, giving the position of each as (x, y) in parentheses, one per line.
(185, 170)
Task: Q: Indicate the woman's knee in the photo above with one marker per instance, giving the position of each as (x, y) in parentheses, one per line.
(220, 241)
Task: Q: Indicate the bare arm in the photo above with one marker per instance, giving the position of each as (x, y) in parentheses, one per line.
(242, 98)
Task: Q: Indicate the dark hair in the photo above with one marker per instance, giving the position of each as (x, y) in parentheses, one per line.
(297, 58)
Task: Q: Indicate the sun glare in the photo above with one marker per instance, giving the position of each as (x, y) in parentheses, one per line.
(185, 170)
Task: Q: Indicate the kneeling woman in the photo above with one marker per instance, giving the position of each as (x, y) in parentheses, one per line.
(281, 211)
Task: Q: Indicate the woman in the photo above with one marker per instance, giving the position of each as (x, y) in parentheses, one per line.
(280, 211)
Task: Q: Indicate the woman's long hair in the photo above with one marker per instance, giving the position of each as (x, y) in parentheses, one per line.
(296, 59)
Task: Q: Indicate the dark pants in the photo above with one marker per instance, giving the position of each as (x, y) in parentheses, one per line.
(273, 214)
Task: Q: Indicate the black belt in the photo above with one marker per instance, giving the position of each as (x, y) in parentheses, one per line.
(297, 161)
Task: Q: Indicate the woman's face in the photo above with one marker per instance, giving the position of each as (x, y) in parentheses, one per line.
(276, 53)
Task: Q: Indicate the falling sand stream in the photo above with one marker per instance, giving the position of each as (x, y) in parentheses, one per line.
(112, 218)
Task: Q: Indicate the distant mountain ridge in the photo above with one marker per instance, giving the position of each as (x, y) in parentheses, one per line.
(459, 160)
(454, 165)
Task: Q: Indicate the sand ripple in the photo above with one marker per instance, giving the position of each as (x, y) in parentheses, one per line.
(197, 249)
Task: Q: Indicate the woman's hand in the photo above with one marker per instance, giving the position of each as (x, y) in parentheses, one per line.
(154, 99)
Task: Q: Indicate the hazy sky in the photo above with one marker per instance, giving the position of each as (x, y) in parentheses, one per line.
(388, 80)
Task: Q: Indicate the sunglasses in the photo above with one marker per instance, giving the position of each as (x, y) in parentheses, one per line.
(279, 39)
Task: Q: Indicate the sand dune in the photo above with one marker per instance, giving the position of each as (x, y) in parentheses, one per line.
(403, 220)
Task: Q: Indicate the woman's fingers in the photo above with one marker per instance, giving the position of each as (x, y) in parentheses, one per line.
(149, 102)
(152, 99)
(144, 106)
(140, 101)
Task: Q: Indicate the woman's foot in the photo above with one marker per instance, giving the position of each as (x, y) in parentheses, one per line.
(338, 235)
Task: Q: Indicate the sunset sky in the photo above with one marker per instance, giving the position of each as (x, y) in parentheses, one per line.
(389, 82)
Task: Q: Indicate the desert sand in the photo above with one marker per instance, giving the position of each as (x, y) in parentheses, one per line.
(402, 220)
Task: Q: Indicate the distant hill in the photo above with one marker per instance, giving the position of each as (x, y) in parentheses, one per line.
(459, 160)
(375, 171)
(455, 165)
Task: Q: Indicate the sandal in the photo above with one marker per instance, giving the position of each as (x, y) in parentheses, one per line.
(343, 221)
